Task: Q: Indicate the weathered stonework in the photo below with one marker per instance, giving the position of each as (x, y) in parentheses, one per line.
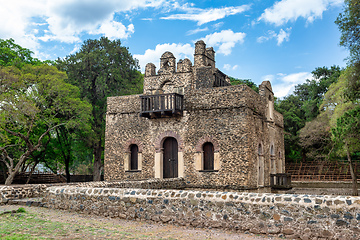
(287, 215)
(242, 125)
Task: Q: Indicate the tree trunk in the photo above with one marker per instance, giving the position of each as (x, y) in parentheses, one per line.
(67, 171)
(31, 172)
(353, 175)
(10, 178)
(97, 162)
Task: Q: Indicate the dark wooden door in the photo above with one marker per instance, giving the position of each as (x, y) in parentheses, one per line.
(170, 159)
(208, 156)
(134, 157)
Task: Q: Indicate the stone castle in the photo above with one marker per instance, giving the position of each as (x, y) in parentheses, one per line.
(191, 123)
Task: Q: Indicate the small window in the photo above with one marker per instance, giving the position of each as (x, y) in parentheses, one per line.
(134, 150)
(208, 149)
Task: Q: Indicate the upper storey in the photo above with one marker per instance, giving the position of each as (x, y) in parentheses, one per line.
(182, 76)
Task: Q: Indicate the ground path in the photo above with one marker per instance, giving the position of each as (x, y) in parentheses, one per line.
(39, 222)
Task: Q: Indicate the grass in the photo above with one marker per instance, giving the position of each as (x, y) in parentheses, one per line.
(24, 225)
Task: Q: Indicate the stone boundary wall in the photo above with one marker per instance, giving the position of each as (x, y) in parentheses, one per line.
(21, 191)
(38, 190)
(293, 216)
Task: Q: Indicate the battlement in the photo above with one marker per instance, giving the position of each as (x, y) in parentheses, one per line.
(177, 77)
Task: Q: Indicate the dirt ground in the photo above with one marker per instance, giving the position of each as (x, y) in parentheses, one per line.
(60, 224)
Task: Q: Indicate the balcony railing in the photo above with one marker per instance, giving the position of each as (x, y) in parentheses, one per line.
(161, 105)
(280, 181)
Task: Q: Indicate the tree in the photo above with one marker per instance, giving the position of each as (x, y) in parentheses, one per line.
(12, 54)
(248, 82)
(346, 135)
(34, 102)
(303, 106)
(349, 26)
(102, 68)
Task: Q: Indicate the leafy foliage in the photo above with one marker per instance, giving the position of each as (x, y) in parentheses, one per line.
(349, 26)
(248, 82)
(303, 106)
(34, 102)
(12, 54)
(102, 68)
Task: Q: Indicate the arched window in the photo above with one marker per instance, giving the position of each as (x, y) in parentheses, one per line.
(134, 150)
(260, 166)
(272, 153)
(273, 160)
(208, 149)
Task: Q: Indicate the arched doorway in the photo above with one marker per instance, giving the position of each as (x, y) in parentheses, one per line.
(208, 149)
(170, 158)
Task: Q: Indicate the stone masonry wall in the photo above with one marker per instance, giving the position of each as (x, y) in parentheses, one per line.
(232, 116)
(292, 216)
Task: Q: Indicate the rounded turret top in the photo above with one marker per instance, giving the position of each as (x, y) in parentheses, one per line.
(167, 55)
(200, 42)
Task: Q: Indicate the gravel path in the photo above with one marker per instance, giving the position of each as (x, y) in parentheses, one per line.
(81, 226)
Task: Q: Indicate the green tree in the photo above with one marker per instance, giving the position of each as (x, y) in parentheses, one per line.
(248, 82)
(303, 106)
(346, 135)
(34, 102)
(102, 68)
(12, 54)
(349, 26)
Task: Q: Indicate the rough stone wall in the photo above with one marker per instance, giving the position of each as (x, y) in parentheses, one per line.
(19, 192)
(292, 216)
(236, 118)
(233, 116)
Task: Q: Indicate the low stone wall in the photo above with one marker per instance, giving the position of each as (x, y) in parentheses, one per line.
(293, 216)
(38, 190)
(155, 183)
(21, 191)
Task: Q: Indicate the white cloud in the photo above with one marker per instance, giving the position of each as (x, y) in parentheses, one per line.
(228, 67)
(283, 35)
(28, 21)
(114, 30)
(224, 40)
(180, 51)
(284, 84)
(191, 32)
(290, 10)
(202, 16)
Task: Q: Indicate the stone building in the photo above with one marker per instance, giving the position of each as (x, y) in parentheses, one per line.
(191, 123)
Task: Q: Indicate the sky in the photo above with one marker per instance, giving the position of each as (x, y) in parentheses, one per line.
(281, 41)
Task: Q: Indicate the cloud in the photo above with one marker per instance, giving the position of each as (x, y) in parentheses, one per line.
(192, 32)
(284, 84)
(290, 10)
(114, 30)
(228, 67)
(202, 16)
(224, 40)
(32, 21)
(283, 35)
(180, 51)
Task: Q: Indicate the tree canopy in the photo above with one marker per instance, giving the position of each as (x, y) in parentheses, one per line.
(12, 54)
(34, 102)
(102, 68)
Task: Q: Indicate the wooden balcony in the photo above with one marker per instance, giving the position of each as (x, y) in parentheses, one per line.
(280, 181)
(161, 105)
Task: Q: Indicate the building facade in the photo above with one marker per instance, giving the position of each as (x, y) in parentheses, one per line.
(191, 123)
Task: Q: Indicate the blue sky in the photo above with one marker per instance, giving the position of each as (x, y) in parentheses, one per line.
(281, 41)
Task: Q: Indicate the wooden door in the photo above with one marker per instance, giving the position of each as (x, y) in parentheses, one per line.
(134, 157)
(170, 159)
(208, 149)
